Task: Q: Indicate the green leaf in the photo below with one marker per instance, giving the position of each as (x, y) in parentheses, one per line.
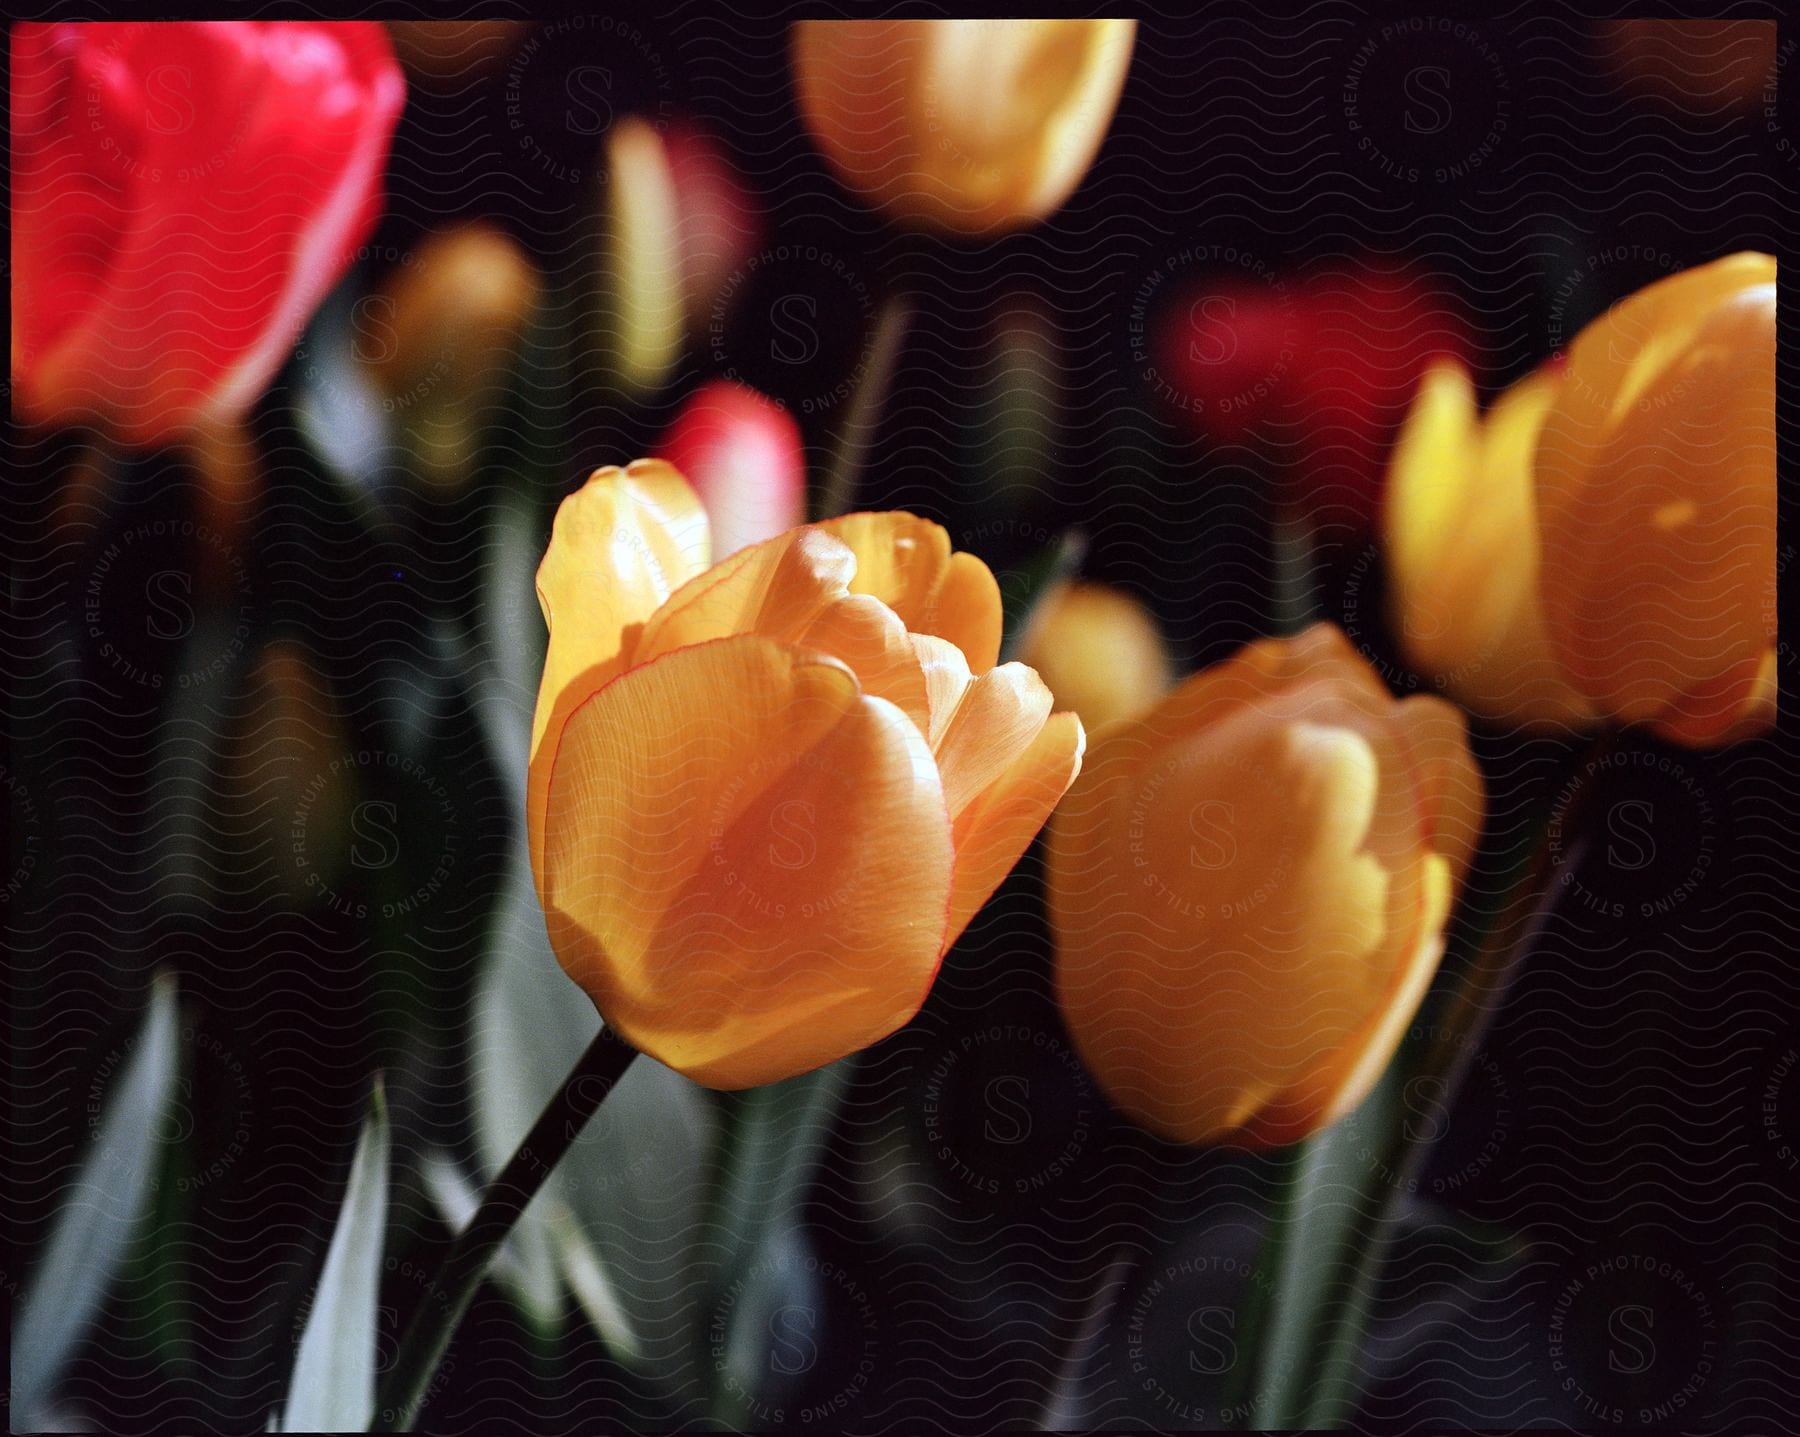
(100, 1211)
(633, 1185)
(340, 415)
(593, 1288)
(775, 1138)
(1327, 1192)
(333, 1386)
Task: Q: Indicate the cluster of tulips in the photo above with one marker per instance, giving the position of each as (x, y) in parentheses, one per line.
(776, 768)
(1251, 878)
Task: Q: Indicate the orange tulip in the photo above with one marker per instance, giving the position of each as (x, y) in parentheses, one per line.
(1656, 499)
(1099, 650)
(439, 340)
(1249, 887)
(766, 796)
(973, 126)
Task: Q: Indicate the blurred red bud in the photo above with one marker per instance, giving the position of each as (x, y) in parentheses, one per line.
(1326, 365)
(1227, 355)
(742, 454)
(1375, 330)
(717, 224)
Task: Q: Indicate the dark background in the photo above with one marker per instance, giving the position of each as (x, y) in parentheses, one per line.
(1638, 1101)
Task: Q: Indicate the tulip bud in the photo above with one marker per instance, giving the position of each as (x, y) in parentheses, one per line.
(1374, 330)
(1099, 650)
(716, 221)
(742, 454)
(641, 315)
(440, 338)
(1249, 887)
(1656, 506)
(1460, 525)
(1227, 356)
(765, 796)
(184, 194)
(971, 126)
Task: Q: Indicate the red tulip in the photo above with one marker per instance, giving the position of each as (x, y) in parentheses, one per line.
(741, 452)
(184, 195)
(1227, 354)
(1375, 331)
(717, 222)
(1326, 366)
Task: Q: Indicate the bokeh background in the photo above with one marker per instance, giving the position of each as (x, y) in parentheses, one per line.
(265, 736)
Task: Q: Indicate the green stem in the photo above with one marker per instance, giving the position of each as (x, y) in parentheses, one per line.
(408, 1382)
(1318, 1324)
(837, 495)
(1471, 1006)
(1294, 538)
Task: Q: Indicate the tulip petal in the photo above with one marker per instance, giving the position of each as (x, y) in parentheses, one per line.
(1430, 482)
(747, 860)
(795, 587)
(867, 635)
(1320, 654)
(996, 828)
(1664, 541)
(1452, 798)
(906, 562)
(1348, 1073)
(776, 587)
(947, 679)
(621, 544)
(1000, 714)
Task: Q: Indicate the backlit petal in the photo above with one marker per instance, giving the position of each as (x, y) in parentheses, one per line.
(750, 885)
(905, 561)
(621, 544)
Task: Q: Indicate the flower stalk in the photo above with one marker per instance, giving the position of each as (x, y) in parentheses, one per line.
(404, 1390)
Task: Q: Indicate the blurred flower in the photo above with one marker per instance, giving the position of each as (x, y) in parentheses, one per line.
(716, 221)
(1656, 506)
(1227, 355)
(1326, 365)
(440, 337)
(1249, 887)
(1099, 650)
(643, 301)
(442, 54)
(1460, 528)
(1704, 66)
(284, 820)
(184, 194)
(971, 126)
(742, 454)
(765, 796)
(1374, 330)
(225, 457)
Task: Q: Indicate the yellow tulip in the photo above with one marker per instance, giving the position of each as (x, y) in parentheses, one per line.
(972, 126)
(1099, 650)
(1249, 887)
(440, 337)
(1460, 525)
(1656, 492)
(766, 795)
